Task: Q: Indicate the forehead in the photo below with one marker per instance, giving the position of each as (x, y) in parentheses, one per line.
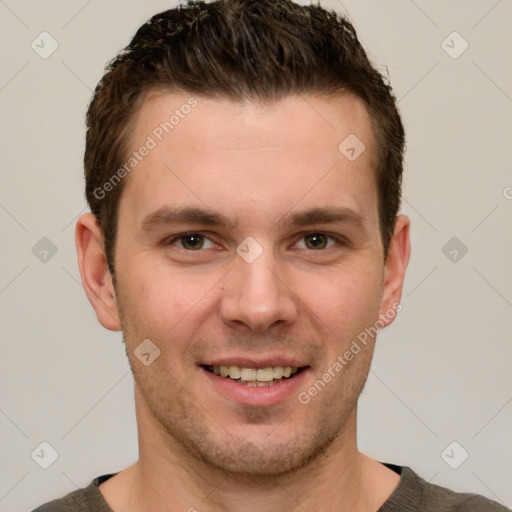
(242, 157)
(222, 124)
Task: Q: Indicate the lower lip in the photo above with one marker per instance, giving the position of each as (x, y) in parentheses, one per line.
(256, 395)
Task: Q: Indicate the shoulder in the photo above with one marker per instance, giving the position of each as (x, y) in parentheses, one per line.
(415, 493)
(73, 502)
(86, 499)
(436, 497)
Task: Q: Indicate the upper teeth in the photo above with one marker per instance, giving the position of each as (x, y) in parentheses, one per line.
(255, 374)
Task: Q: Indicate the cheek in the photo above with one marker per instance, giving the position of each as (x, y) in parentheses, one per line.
(146, 302)
(158, 302)
(346, 301)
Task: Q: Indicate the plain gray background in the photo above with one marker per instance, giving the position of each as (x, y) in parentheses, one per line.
(441, 372)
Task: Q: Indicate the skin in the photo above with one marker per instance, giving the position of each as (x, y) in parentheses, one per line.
(255, 165)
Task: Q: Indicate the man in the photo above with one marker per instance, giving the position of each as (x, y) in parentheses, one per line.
(243, 168)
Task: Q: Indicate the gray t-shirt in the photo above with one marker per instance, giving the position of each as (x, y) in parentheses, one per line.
(412, 494)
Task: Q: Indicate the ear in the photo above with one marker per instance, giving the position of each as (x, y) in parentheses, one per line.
(394, 272)
(96, 277)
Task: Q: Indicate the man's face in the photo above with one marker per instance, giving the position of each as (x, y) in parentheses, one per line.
(305, 285)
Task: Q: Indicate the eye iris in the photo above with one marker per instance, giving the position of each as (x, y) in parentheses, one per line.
(192, 241)
(316, 241)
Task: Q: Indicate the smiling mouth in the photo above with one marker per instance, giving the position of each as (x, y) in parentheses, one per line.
(255, 377)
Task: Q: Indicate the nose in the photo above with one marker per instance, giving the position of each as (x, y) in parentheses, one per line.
(257, 296)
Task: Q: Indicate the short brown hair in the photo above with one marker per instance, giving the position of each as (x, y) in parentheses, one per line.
(260, 50)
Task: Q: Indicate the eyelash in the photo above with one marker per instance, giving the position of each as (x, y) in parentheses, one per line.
(337, 240)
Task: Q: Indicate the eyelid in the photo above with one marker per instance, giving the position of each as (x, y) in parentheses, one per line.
(175, 238)
(340, 240)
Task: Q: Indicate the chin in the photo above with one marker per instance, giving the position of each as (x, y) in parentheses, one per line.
(262, 459)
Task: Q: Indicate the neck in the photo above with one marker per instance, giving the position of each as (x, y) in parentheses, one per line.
(167, 478)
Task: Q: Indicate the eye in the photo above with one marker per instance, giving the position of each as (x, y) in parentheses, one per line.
(316, 241)
(192, 241)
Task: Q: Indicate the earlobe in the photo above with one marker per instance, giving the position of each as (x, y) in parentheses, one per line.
(395, 267)
(96, 277)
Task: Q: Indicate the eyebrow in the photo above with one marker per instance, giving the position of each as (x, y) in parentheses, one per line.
(322, 216)
(193, 215)
(204, 216)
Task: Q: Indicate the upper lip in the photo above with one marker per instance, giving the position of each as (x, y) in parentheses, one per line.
(250, 362)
